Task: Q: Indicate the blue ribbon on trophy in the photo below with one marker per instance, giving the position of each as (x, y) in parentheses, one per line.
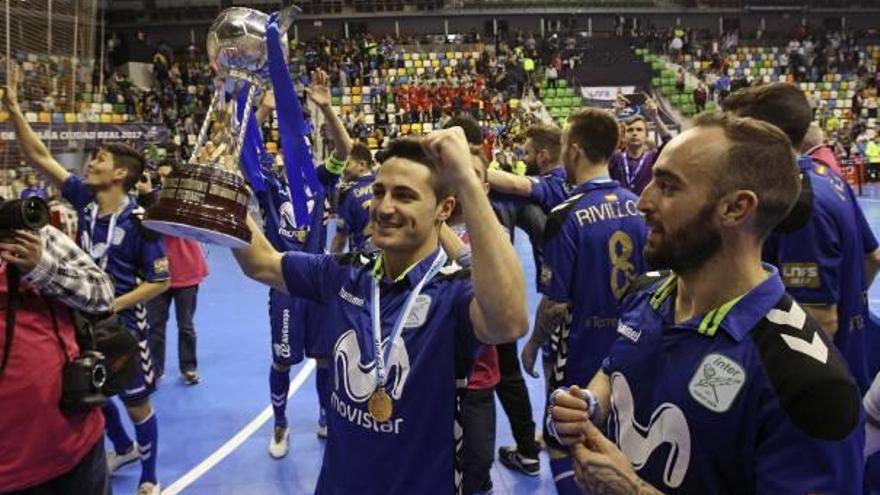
(292, 127)
(253, 152)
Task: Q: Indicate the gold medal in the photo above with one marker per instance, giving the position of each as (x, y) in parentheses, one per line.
(380, 405)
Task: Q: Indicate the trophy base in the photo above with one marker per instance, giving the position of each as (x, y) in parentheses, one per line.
(205, 203)
(196, 233)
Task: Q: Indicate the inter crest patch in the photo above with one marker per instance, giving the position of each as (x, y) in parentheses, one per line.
(419, 314)
(717, 382)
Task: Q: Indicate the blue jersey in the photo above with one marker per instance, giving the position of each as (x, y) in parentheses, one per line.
(34, 192)
(279, 222)
(354, 212)
(750, 398)
(414, 451)
(515, 211)
(550, 189)
(134, 255)
(292, 335)
(823, 260)
(593, 251)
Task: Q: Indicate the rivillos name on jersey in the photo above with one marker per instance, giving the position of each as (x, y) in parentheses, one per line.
(593, 250)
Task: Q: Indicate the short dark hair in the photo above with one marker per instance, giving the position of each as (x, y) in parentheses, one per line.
(472, 130)
(595, 131)
(546, 137)
(360, 152)
(411, 149)
(759, 159)
(124, 156)
(635, 118)
(781, 104)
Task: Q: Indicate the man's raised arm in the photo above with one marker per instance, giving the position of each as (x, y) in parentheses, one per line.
(498, 309)
(30, 144)
(507, 183)
(260, 261)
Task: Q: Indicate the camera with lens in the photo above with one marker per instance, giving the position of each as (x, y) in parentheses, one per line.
(152, 176)
(83, 382)
(84, 377)
(23, 214)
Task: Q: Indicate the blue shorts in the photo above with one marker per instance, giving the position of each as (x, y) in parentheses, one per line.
(295, 329)
(144, 383)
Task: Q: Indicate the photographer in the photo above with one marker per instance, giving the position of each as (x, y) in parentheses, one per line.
(42, 450)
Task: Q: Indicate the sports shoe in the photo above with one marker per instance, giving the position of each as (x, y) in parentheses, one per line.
(278, 442)
(321, 430)
(116, 461)
(149, 489)
(514, 460)
(190, 377)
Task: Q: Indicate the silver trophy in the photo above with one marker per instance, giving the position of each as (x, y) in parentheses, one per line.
(208, 199)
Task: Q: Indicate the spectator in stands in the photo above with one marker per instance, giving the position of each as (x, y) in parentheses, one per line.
(33, 188)
(551, 74)
(723, 86)
(675, 48)
(872, 154)
(633, 166)
(815, 146)
(680, 77)
(701, 94)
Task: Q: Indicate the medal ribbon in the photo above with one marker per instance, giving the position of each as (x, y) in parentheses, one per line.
(382, 355)
(630, 179)
(100, 255)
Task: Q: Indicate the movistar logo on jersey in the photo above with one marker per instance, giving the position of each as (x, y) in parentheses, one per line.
(606, 211)
(638, 441)
(357, 381)
(289, 228)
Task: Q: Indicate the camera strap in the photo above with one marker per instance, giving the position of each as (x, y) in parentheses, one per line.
(13, 277)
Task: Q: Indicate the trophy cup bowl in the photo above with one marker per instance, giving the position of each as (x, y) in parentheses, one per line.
(203, 200)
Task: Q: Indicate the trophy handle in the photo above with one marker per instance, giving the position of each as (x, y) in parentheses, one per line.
(216, 100)
(287, 16)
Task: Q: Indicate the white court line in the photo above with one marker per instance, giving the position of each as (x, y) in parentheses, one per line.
(869, 200)
(239, 438)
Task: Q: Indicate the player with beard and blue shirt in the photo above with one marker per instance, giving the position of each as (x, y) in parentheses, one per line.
(398, 320)
(353, 224)
(719, 382)
(825, 251)
(294, 321)
(111, 232)
(592, 252)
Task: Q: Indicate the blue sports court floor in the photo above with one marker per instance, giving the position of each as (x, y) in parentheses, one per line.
(213, 436)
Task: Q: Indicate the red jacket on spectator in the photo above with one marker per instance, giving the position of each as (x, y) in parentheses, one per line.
(824, 155)
(186, 261)
(39, 443)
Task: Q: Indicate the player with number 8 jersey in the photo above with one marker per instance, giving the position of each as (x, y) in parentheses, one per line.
(593, 250)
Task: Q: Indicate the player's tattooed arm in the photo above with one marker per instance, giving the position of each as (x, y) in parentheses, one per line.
(548, 316)
(600, 467)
